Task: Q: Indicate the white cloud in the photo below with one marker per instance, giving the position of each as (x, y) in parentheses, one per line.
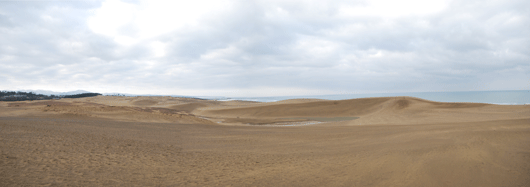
(129, 23)
(111, 16)
(394, 9)
(264, 47)
(159, 48)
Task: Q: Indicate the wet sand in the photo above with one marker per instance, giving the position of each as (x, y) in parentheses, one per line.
(163, 141)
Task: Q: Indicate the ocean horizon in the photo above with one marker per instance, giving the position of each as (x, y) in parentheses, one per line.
(506, 97)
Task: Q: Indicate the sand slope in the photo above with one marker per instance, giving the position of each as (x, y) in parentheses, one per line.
(124, 141)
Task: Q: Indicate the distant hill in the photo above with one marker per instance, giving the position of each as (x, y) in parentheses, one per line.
(48, 92)
(24, 96)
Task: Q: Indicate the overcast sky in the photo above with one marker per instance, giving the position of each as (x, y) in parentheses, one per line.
(265, 48)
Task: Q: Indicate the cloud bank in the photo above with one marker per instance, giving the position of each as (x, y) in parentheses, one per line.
(265, 48)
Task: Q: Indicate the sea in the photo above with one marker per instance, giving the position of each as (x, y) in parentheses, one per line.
(510, 97)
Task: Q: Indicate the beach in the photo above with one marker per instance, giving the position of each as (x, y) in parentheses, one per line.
(169, 141)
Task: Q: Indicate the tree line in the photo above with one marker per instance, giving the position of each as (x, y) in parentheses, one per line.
(24, 96)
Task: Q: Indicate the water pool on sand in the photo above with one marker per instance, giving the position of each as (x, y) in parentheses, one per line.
(326, 119)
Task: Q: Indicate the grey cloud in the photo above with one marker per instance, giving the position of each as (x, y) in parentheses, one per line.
(308, 46)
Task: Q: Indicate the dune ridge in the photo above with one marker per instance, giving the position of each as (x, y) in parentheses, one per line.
(385, 110)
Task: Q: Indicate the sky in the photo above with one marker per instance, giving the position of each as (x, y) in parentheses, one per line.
(265, 48)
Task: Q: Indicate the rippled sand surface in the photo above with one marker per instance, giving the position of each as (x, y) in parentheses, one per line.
(164, 141)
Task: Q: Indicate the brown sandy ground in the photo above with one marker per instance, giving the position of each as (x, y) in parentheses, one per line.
(164, 141)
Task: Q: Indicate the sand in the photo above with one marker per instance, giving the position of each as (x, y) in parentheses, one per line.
(165, 141)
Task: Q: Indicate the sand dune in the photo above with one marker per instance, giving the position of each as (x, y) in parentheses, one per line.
(188, 107)
(145, 103)
(390, 110)
(352, 107)
(165, 141)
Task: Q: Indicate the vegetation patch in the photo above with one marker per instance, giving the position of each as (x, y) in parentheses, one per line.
(25, 96)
